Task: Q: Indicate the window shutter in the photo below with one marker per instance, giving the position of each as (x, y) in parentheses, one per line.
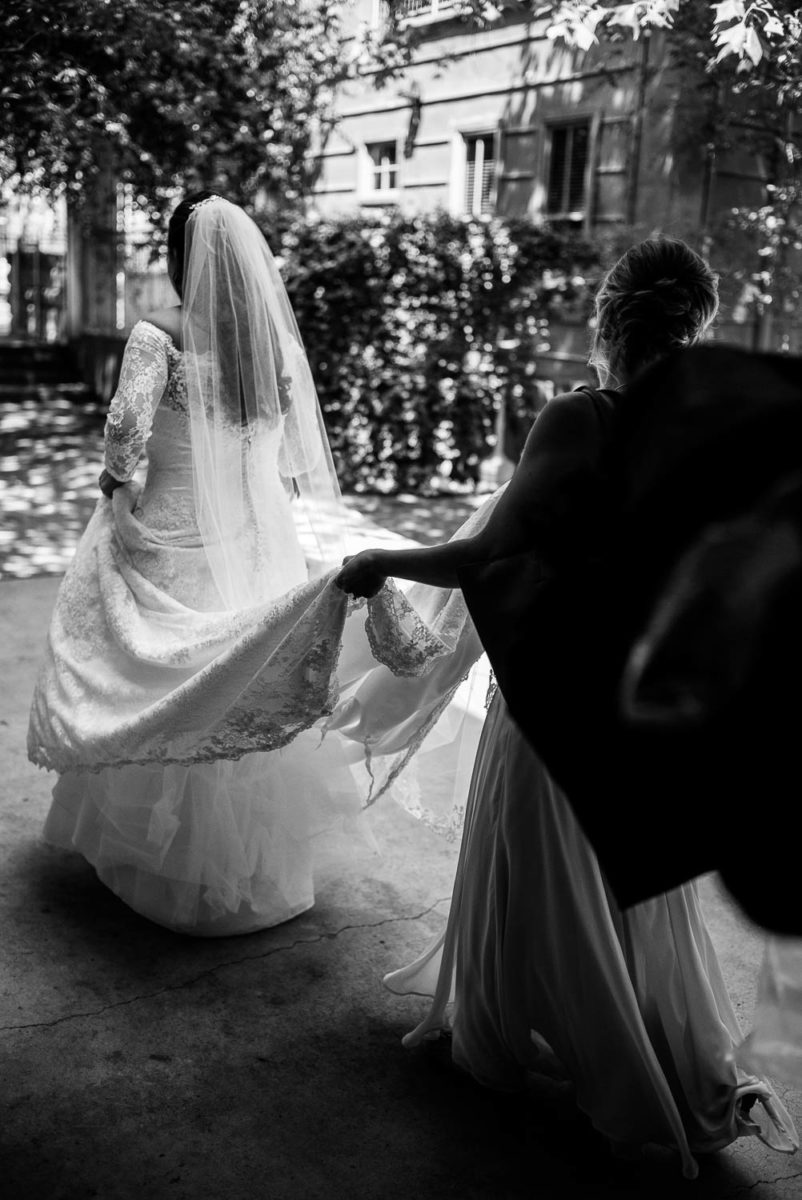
(612, 169)
(470, 175)
(480, 173)
(566, 193)
(559, 138)
(580, 137)
(488, 175)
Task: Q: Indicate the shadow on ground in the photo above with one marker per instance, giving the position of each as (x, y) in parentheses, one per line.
(142, 1064)
(51, 453)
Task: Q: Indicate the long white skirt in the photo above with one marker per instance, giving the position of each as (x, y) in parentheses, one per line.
(212, 849)
(547, 974)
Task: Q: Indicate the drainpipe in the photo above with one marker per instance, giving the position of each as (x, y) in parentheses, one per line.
(709, 178)
(637, 131)
(74, 283)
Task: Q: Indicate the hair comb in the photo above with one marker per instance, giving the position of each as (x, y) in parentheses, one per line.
(206, 200)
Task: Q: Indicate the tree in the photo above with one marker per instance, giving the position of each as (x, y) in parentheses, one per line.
(748, 31)
(751, 100)
(222, 93)
(231, 93)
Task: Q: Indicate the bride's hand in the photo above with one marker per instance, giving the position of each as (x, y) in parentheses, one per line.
(361, 574)
(108, 484)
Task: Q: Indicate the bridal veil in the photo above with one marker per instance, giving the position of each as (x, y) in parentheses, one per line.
(253, 408)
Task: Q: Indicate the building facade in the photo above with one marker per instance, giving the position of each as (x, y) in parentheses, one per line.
(504, 120)
(498, 120)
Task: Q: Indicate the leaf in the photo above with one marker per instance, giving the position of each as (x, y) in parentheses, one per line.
(628, 16)
(728, 10)
(753, 46)
(731, 41)
(584, 36)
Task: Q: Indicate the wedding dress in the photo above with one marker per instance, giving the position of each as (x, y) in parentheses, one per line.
(199, 650)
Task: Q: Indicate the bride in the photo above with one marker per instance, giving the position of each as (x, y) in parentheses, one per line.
(199, 648)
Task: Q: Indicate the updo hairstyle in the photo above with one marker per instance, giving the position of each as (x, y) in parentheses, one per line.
(176, 236)
(660, 296)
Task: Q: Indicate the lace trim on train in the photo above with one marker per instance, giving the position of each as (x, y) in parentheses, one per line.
(398, 638)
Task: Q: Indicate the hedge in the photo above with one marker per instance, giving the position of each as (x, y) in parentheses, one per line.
(418, 326)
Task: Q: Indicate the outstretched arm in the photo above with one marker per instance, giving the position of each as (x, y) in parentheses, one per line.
(558, 461)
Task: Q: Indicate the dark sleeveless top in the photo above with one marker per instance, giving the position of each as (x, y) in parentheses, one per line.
(696, 440)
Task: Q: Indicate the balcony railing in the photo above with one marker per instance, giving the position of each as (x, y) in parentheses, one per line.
(420, 9)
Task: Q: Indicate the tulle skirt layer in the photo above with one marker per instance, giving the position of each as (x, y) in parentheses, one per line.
(213, 849)
(546, 974)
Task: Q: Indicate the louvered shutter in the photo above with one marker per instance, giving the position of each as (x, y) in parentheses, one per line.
(480, 174)
(488, 175)
(580, 137)
(559, 148)
(470, 173)
(566, 192)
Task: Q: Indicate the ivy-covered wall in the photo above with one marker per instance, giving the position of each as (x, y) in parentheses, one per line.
(418, 327)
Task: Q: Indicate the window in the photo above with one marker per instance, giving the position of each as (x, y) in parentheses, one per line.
(382, 166)
(423, 8)
(480, 173)
(413, 12)
(566, 197)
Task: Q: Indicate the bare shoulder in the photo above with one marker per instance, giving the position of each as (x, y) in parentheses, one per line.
(567, 423)
(576, 405)
(168, 320)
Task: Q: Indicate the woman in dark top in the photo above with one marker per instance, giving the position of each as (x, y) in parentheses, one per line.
(545, 971)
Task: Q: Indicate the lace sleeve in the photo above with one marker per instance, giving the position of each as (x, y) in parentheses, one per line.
(143, 377)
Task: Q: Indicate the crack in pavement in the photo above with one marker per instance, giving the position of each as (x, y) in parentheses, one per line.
(740, 1191)
(221, 966)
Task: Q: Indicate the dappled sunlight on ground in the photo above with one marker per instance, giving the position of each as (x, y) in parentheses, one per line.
(424, 519)
(51, 453)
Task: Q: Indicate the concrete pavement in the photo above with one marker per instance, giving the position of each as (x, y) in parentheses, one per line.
(135, 1063)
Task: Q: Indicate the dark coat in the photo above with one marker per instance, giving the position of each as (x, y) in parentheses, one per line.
(710, 438)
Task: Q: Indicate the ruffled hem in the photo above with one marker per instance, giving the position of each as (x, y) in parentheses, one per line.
(211, 849)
